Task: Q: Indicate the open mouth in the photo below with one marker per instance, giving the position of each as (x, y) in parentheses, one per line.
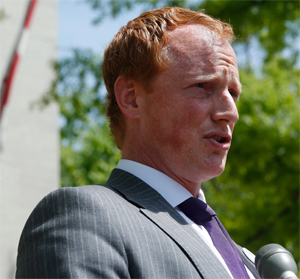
(220, 139)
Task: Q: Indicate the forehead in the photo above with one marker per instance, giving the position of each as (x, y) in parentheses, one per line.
(195, 48)
(196, 33)
(195, 39)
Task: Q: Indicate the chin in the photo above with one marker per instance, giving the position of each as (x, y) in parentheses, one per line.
(217, 165)
(221, 170)
(215, 171)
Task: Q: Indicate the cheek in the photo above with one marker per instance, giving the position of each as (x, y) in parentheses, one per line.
(191, 117)
(185, 128)
(166, 128)
(177, 121)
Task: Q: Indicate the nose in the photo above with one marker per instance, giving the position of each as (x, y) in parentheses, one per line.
(225, 109)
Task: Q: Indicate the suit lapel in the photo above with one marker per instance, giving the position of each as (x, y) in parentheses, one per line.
(244, 253)
(161, 213)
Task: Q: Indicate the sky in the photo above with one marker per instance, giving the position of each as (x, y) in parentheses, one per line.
(75, 28)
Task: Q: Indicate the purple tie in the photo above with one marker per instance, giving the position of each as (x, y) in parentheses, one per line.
(202, 214)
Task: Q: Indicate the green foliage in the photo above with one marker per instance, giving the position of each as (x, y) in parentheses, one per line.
(88, 153)
(93, 161)
(274, 23)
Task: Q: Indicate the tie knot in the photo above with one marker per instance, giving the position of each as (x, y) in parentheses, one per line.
(196, 210)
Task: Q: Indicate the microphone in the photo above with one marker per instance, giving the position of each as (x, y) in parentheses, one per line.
(273, 261)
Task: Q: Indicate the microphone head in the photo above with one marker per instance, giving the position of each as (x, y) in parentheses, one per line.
(272, 260)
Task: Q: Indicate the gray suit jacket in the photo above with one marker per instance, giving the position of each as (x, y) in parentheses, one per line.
(123, 229)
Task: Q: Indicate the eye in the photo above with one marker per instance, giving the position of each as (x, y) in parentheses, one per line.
(200, 85)
(233, 93)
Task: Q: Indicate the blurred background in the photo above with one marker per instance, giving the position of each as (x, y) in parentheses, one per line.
(53, 131)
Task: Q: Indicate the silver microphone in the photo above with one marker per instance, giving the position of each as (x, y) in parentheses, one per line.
(273, 261)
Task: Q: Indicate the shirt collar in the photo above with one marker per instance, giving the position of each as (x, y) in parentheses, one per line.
(168, 188)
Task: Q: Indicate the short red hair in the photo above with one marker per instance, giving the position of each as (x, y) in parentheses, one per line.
(138, 51)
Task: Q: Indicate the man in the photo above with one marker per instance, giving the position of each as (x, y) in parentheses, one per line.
(172, 81)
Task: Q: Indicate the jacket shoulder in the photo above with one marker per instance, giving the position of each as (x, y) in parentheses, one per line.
(71, 224)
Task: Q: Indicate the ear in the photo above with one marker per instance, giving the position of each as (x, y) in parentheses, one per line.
(127, 96)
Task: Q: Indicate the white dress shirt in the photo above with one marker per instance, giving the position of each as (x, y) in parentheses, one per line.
(174, 193)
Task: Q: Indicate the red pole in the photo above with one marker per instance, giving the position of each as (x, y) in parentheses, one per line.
(18, 51)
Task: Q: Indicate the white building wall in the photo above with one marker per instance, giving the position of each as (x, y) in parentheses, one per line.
(29, 159)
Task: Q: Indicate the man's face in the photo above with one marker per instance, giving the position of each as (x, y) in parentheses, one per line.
(189, 116)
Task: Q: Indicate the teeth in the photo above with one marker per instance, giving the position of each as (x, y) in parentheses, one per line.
(219, 139)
